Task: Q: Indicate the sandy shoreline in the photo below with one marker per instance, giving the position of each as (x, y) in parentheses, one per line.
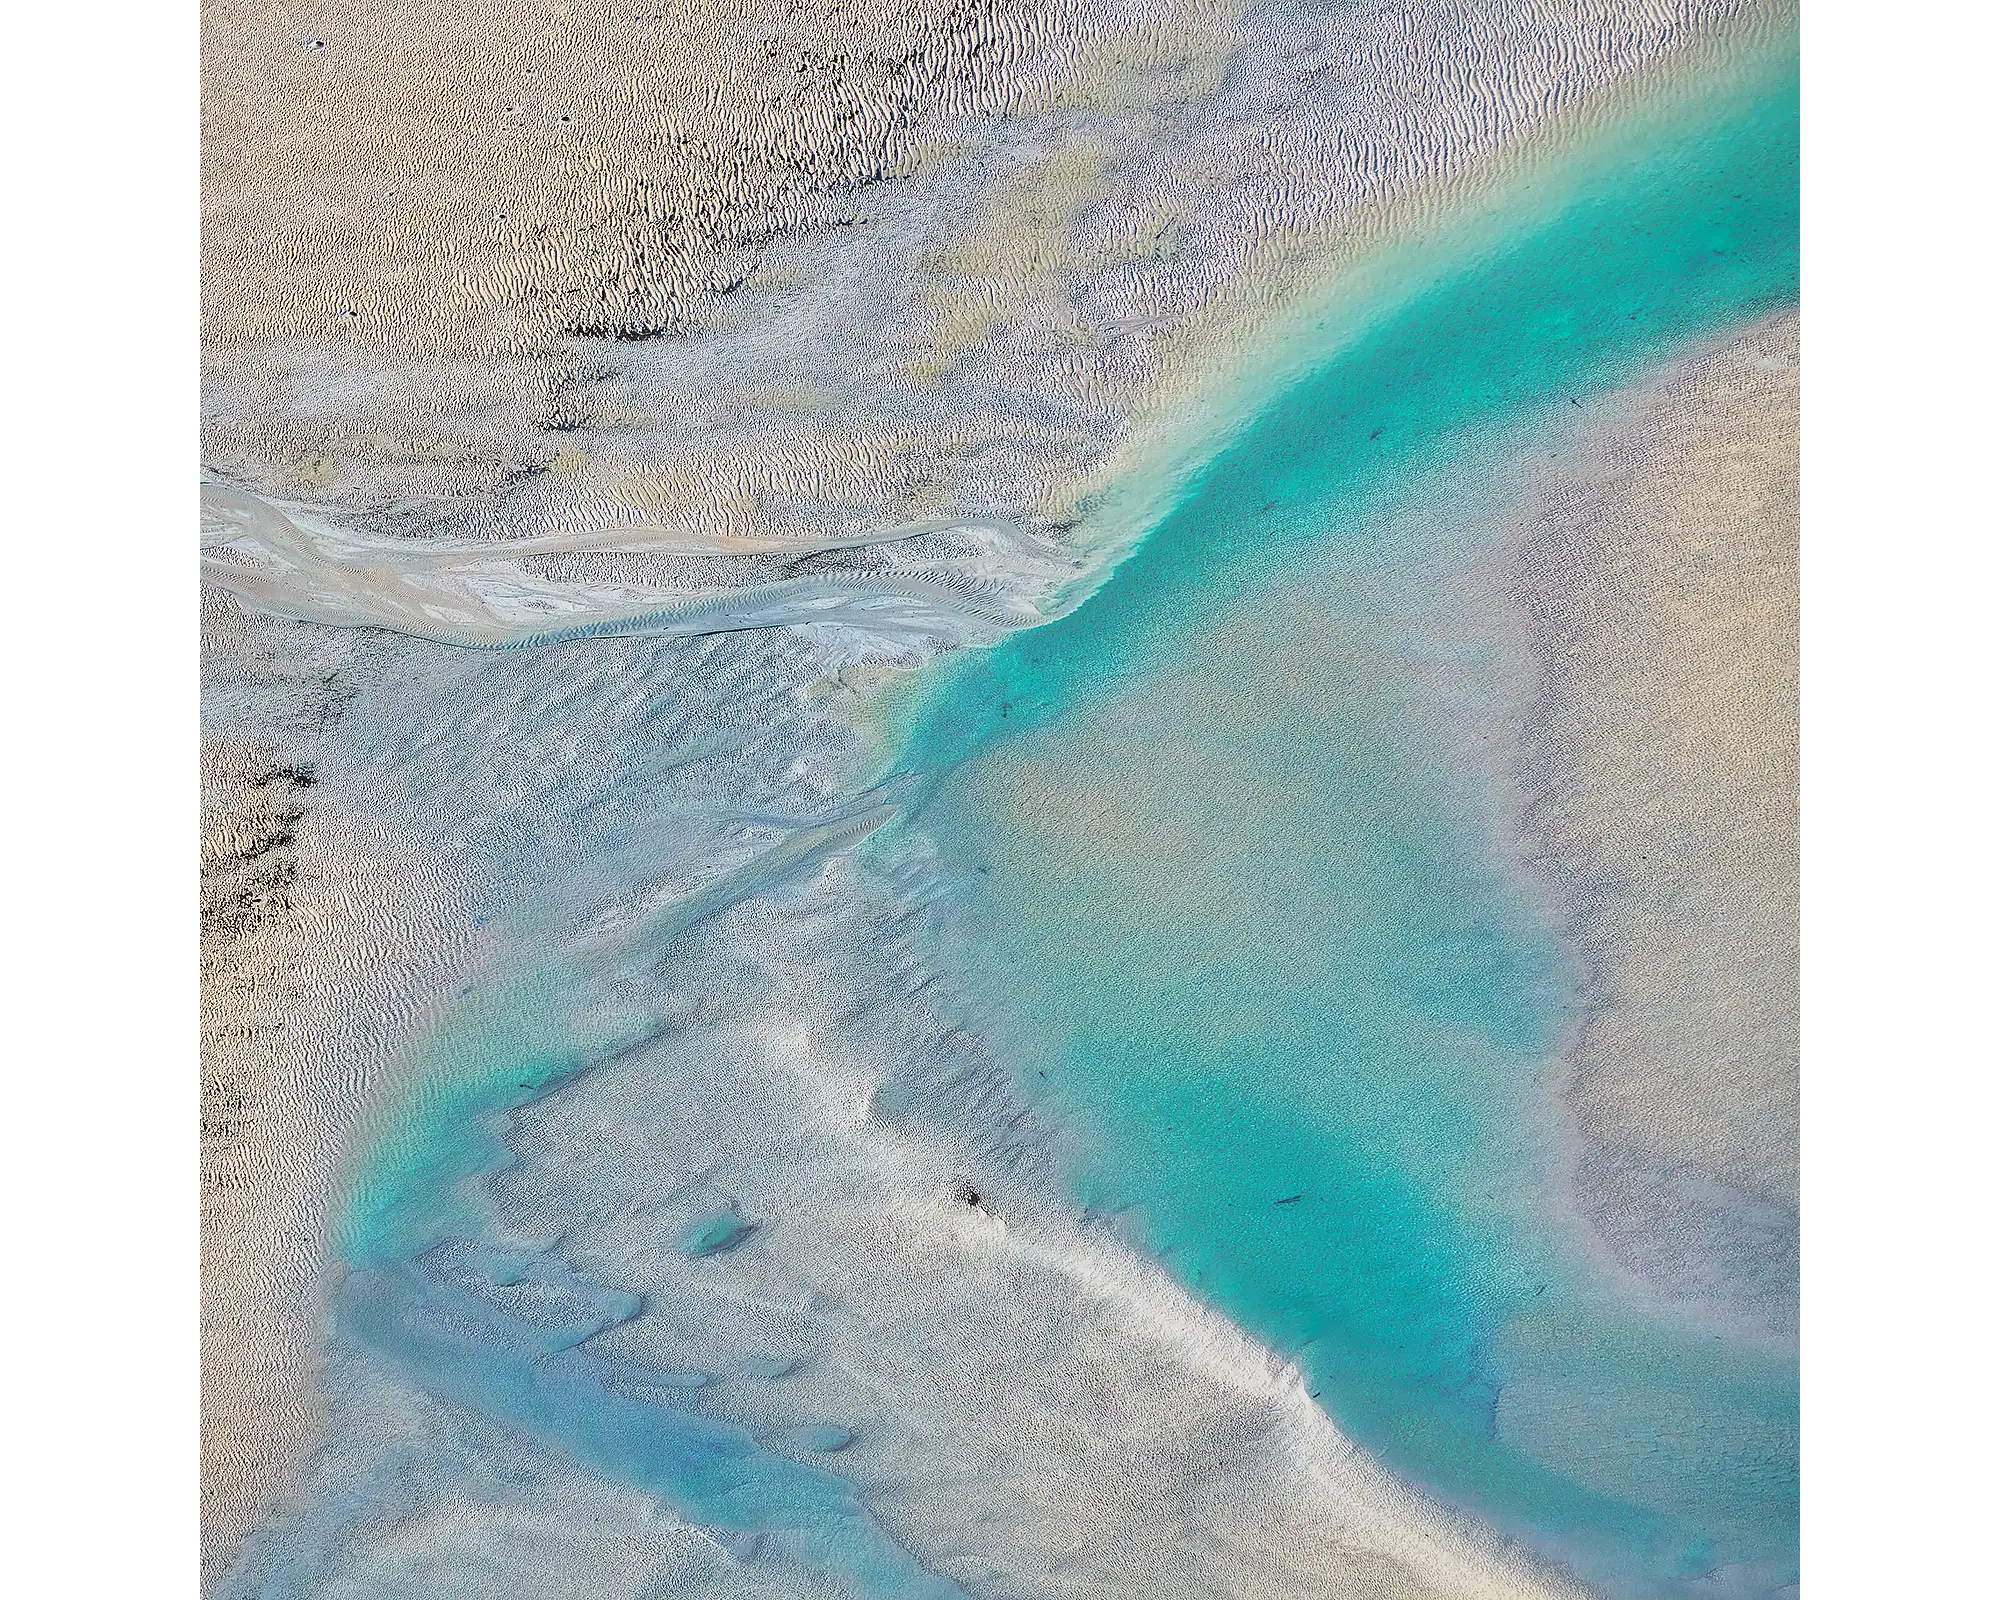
(938, 1330)
(1660, 580)
(773, 278)
(322, 937)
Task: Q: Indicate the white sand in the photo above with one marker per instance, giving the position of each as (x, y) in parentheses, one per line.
(1662, 580)
(783, 278)
(958, 240)
(1036, 1410)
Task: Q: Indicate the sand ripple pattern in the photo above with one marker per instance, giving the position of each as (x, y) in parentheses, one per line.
(915, 1282)
(478, 268)
(488, 595)
(614, 320)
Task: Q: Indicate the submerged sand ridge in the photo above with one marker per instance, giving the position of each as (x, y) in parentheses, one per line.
(778, 288)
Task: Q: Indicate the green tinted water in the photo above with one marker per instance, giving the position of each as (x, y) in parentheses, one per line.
(1233, 898)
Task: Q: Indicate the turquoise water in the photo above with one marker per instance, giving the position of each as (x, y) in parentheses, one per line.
(413, 1202)
(1231, 897)
(518, 1035)
(548, 1384)
(1220, 834)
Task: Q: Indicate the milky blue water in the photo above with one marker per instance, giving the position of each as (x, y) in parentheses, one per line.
(424, 1295)
(1236, 907)
(1231, 899)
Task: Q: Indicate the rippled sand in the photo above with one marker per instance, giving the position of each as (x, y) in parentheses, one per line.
(788, 270)
(762, 283)
(1662, 580)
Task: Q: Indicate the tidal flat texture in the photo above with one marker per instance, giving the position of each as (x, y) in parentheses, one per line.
(999, 800)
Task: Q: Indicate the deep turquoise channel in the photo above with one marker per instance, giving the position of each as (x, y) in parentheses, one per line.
(1228, 894)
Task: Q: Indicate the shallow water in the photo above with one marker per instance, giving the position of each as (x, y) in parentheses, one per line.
(1223, 842)
(1226, 852)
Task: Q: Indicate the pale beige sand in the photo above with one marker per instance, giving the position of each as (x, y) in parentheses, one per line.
(796, 268)
(322, 936)
(771, 272)
(947, 1329)
(1662, 579)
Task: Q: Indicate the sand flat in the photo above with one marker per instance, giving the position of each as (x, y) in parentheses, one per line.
(755, 289)
(1662, 580)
